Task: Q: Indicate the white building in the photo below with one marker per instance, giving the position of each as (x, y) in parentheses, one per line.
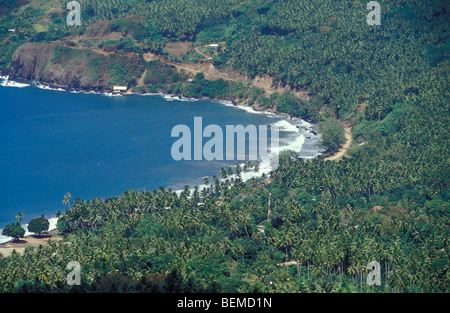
(119, 89)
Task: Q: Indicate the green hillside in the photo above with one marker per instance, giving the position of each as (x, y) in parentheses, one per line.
(385, 201)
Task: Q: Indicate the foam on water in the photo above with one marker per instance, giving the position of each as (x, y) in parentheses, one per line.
(247, 108)
(41, 86)
(293, 141)
(286, 126)
(292, 133)
(10, 83)
(109, 94)
(169, 97)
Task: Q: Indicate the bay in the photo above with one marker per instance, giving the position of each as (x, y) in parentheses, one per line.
(93, 145)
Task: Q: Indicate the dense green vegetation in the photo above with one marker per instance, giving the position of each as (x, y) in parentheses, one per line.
(332, 133)
(38, 225)
(14, 230)
(387, 201)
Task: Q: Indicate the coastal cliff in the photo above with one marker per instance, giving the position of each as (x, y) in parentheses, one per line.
(60, 66)
(65, 64)
(30, 61)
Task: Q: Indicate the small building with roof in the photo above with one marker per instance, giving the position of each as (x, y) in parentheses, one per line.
(120, 89)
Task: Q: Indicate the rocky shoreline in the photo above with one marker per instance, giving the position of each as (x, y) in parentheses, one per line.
(108, 91)
(56, 86)
(35, 63)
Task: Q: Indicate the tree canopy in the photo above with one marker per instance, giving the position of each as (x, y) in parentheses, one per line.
(387, 201)
(14, 230)
(38, 225)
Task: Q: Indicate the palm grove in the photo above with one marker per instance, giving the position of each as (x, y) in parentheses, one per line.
(386, 202)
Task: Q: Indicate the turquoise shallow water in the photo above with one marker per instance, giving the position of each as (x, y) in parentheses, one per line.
(90, 145)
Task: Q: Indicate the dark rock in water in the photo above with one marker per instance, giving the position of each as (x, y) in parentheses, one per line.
(313, 132)
(308, 137)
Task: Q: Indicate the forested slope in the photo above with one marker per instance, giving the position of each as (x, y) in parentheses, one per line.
(387, 201)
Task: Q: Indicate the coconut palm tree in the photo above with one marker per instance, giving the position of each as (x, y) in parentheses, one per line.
(20, 216)
(223, 172)
(66, 200)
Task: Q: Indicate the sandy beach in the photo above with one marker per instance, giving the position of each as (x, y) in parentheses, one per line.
(31, 240)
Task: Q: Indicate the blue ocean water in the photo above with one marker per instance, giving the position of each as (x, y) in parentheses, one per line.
(54, 142)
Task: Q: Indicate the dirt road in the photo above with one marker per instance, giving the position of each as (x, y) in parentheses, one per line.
(344, 148)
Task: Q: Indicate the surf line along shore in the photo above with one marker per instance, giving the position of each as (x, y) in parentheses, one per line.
(288, 124)
(236, 102)
(298, 134)
(309, 133)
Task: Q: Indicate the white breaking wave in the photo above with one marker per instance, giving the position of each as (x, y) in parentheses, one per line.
(293, 141)
(41, 86)
(10, 83)
(177, 98)
(109, 94)
(286, 126)
(151, 94)
(246, 108)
